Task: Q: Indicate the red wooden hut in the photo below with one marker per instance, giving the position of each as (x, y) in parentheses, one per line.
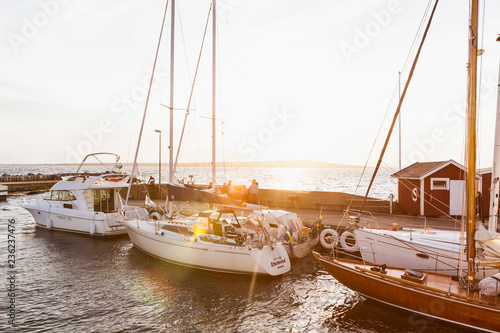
(432, 188)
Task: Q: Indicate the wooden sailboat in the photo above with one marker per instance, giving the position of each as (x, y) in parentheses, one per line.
(435, 295)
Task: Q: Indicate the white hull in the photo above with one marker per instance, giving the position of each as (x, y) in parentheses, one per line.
(194, 252)
(78, 221)
(3, 192)
(439, 252)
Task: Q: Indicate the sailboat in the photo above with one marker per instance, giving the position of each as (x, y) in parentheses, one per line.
(423, 249)
(214, 240)
(462, 301)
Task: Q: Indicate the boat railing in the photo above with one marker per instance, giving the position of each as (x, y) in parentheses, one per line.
(356, 217)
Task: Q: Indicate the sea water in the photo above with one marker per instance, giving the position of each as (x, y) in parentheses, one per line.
(73, 283)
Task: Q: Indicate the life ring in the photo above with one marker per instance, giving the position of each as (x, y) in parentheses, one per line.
(329, 238)
(155, 216)
(302, 233)
(349, 247)
(414, 194)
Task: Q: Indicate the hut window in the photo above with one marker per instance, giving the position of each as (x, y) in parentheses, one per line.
(440, 183)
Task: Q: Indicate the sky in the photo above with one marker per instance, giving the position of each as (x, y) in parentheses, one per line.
(296, 80)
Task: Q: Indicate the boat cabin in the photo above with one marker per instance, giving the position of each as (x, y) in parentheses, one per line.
(433, 188)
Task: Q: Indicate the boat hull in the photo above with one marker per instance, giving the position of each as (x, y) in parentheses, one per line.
(413, 297)
(77, 221)
(438, 253)
(192, 252)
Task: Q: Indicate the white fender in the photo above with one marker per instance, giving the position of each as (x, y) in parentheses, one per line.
(92, 228)
(329, 238)
(155, 216)
(347, 247)
(281, 230)
(48, 223)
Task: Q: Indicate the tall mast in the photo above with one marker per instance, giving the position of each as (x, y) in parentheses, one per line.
(171, 145)
(214, 47)
(396, 114)
(471, 133)
(399, 93)
(495, 173)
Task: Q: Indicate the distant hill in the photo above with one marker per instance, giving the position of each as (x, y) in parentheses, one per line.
(267, 164)
(258, 164)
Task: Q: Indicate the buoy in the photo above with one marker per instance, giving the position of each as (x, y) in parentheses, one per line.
(281, 230)
(48, 223)
(92, 228)
(349, 247)
(303, 233)
(155, 216)
(329, 238)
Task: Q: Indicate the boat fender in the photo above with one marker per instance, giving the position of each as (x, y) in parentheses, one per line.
(302, 234)
(92, 228)
(281, 230)
(329, 238)
(349, 247)
(48, 223)
(155, 216)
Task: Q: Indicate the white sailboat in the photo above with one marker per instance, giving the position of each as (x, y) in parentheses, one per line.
(213, 240)
(426, 249)
(86, 204)
(462, 301)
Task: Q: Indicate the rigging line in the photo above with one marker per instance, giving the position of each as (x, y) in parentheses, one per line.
(417, 34)
(192, 88)
(220, 89)
(390, 102)
(183, 43)
(373, 146)
(188, 136)
(480, 78)
(147, 102)
(410, 75)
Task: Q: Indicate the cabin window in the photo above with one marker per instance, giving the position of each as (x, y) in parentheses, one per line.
(67, 196)
(55, 195)
(60, 196)
(104, 200)
(440, 183)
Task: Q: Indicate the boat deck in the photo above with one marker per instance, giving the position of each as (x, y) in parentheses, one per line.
(432, 282)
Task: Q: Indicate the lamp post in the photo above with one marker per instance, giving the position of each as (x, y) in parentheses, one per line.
(159, 160)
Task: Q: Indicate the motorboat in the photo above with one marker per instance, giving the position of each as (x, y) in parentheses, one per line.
(86, 204)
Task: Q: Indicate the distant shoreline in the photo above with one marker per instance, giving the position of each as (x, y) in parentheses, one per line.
(260, 164)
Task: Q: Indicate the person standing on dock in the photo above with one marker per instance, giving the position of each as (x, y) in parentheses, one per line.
(230, 189)
(224, 189)
(254, 192)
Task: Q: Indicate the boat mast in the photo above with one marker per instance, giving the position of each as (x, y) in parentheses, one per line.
(471, 133)
(396, 114)
(495, 172)
(171, 145)
(214, 33)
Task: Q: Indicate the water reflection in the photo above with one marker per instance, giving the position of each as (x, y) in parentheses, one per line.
(75, 283)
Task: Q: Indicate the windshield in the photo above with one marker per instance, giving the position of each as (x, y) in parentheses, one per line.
(250, 223)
